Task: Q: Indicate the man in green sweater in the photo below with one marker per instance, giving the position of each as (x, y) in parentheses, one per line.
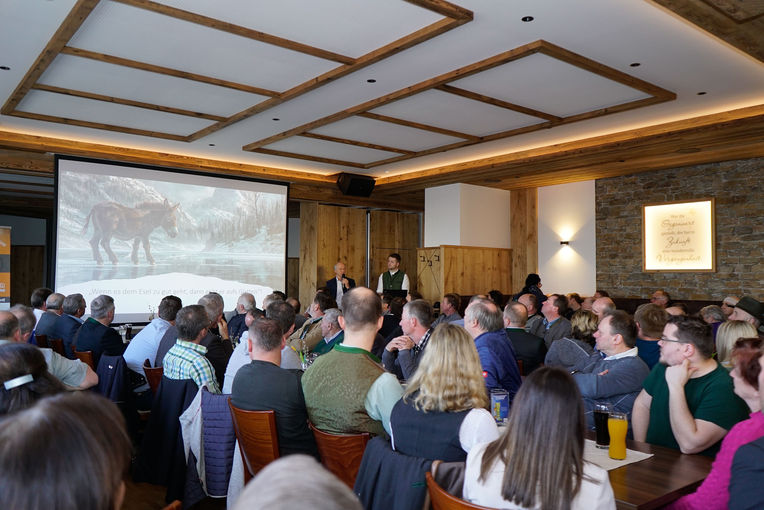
(346, 390)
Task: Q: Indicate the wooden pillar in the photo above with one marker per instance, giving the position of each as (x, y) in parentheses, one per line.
(523, 220)
(394, 232)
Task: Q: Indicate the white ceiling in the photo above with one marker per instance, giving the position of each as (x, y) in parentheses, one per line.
(672, 54)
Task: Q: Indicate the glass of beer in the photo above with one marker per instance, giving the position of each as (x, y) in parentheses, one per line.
(617, 426)
(602, 411)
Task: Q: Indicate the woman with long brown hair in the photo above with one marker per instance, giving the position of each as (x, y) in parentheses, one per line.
(538, 462)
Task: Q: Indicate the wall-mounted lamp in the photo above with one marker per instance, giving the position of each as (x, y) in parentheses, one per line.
(565, 243)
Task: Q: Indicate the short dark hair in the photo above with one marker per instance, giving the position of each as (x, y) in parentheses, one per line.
(532, 298)
(602, 293)
(421, 310)
(266, 333)
(652, 319)
(396, 256)
(169, 306)
(9, 324)
(574, 296)
(622, 324)
(39, 295)
(362, 308)
(324, 301)
(561, 302)
(85, 470)
(746, 354)
(283, 313)
(396, 306)
(453, 299)
(18, 360)
(190, 320)
(694, 331)
(497, 297)
(281, 294)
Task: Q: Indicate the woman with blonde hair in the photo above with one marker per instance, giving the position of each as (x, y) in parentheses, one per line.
(726, 336)
(443, 412)
(538, 462)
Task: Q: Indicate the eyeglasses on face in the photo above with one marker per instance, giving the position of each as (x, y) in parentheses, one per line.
(664, 339)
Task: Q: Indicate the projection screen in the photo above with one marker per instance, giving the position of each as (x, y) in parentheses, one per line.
(139, 233)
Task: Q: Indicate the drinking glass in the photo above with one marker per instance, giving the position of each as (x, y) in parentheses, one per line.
(617, 426)
(602, 411)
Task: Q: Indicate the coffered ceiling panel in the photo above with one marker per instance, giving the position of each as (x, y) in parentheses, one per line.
(346, 154)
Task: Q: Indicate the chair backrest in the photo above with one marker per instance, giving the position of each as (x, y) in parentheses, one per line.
(442, 500)
(42, 340)
(175, 505)
(257, 436)
(153, 376)
(520, 367)
(86, 357)
(57, 345)
(341, 453)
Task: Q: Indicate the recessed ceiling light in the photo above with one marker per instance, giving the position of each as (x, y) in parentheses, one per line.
(211, 144)
(527, 19)
(635, 64)
(276, 119)
(371, 80)
(701, 93)
(5, 68)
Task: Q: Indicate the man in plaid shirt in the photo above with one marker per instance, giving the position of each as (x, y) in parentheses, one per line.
(186, 360)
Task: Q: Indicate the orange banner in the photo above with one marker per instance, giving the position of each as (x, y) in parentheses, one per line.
(5, 268)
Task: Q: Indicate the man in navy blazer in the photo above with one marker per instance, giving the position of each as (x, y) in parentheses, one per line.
(69, 322)
(340, 284)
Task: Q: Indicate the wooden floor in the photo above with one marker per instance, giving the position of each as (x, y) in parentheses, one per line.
(146, 496)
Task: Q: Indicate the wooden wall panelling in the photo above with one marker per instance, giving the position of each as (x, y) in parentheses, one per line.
(394, 232)
(341, 236)
(523, 226)
(27, 263)
(429, 274)
(308, 251)
(293, 277)
(470, 270)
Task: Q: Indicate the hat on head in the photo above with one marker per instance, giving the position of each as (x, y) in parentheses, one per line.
(750, 305)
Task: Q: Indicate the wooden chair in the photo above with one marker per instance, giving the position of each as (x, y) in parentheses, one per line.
(86, 357)
(153, 376)
(520, 367)
(175, 505)
(42, 341)
(442, 500)
(341, 454)
(57, 345)
(257, 436)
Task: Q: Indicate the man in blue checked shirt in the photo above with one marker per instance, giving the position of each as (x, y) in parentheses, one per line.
(186, 360)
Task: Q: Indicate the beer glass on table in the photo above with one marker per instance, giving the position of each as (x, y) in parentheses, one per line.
(617, 425)
(602, 412)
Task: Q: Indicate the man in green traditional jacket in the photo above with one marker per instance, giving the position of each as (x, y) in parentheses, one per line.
(393, 278)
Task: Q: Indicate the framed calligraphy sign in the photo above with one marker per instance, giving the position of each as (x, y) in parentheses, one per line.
(679, 236)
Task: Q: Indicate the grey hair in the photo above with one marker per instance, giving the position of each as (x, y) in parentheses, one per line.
(72, 303)
(420, 310)
(271, 298)
(213, 305)
(332, 316)
(247, 300)
(487, 315)
(517, 313)
(54, 301)
(713, 312)
(27, 320)
(101, 306)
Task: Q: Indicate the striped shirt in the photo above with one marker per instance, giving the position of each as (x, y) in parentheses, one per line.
(186, 360)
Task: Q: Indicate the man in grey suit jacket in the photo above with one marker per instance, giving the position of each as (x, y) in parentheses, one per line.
(554, 326)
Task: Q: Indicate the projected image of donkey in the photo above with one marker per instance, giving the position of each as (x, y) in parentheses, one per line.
(111, 219)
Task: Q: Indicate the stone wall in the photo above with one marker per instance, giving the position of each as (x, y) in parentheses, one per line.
(738, 189)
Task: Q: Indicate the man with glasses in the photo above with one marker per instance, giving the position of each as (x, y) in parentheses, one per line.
(688, 400)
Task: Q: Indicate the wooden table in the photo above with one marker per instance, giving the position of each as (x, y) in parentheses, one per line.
(659, 480)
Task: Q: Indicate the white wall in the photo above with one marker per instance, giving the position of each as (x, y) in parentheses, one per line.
(567, 212)
(466, 215)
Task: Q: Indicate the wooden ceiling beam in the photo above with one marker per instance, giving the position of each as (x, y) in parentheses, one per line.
(498, 102)
(418, 125)
(357, 143)
(25, 162)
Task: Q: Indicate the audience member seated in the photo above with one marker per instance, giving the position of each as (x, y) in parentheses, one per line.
(299, 319)
(442, 414)
(600, 293)
(24, 377)
(69, 322)
(728, 305)
(688, 400)
(308, 336)
(346, 390)
(534, 316)
(402, 353)
(218, 349)
(528, 348)
(186, 359)
(283, 314)
(574, 304)
(749, 310)
(262, 385)
(650, 319)
(85, 468)
(712, 314)
(391, 319)
(293, 482)
(587, 303)
(726, 336)
(603, 306)
(145, 344)
(245, 303)
(16, 327)
(484, 323)
(37, 300)
(677, 308)
(566, 352)
(449, 309)
(617, 377)
(713, 494)
(53, 310)
(538, 462)
(554, 326)
(661, 298)
(331, 332)
(532, 286)
(95, 335)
